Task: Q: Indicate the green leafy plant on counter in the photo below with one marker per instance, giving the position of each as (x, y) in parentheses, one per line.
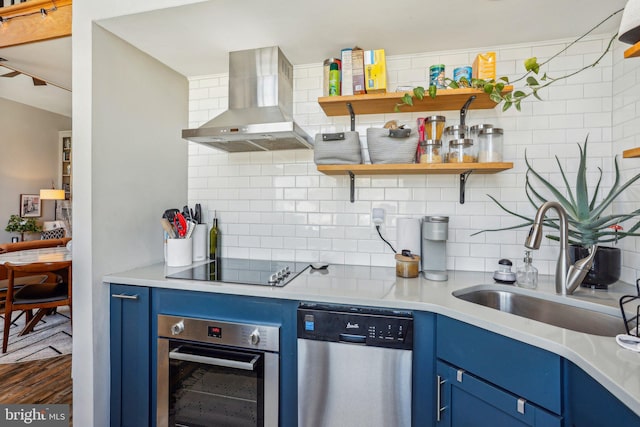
(532, 82)
(21, 225)
(588, 224)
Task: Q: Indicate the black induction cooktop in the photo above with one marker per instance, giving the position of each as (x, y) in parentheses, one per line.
(244, 271)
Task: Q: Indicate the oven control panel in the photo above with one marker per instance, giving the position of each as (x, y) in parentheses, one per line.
(242, 335)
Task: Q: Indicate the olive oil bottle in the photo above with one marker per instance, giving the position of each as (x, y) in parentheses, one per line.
(213, 238)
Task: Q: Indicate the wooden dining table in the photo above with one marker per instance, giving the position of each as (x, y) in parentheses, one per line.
(59, 253)
(29, 256)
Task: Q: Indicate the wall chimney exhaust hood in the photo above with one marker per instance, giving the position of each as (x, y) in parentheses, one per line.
(260, 114)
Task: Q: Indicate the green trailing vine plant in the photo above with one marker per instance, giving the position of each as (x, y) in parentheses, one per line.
(532, 81)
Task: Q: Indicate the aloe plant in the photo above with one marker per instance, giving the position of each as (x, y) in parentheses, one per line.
(588, 223)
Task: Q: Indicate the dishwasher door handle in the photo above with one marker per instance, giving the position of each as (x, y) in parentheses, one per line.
(353, 339)
(216, 361)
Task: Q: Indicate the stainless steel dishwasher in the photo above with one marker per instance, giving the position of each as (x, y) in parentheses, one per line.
(354, 366)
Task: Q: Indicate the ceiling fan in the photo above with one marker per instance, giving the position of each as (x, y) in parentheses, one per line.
(36, 80)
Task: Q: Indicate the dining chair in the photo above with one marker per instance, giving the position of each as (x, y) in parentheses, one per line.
(54, 292)
(18, 283)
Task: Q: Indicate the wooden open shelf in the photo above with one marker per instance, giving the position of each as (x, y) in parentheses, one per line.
(630, 153)
(377, 103)
(415, 168)
(464, 169)
(633, 51)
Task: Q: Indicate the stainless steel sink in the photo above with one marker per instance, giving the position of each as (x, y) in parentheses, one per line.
(568, 315)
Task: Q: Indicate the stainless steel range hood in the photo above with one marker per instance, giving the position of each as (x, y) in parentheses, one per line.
(260, 114)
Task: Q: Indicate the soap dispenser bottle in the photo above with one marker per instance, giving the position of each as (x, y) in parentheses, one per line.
(527, 274)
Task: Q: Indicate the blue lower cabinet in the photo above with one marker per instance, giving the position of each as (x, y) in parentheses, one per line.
(424, 368)
(588, 403)
(465, 400)
(130, 351)
(520, 368)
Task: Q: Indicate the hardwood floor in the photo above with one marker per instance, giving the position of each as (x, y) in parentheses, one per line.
(41, 381)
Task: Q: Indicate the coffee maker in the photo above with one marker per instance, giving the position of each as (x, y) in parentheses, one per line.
(435, 230)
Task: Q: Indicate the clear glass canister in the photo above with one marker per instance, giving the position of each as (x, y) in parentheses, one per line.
(433, 127)
(430, 151)
(456, 132)
(475, 130)
(461, 151)
(490, 145)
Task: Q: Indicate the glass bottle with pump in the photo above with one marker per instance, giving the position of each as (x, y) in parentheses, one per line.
(213, 238)
(527, 274)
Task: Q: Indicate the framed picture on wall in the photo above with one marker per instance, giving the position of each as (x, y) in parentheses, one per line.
(30, 205)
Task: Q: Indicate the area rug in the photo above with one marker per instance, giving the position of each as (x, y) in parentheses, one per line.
(50, 338)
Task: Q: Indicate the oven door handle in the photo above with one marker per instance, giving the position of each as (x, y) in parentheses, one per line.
(216, 361)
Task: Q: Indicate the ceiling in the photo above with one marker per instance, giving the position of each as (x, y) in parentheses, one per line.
(195, 39)
(50, 61)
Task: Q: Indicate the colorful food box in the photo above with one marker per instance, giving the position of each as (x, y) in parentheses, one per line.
(357, 71)
(484, 66)
(375, 71)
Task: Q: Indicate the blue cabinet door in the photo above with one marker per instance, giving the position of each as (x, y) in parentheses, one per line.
(465, 400)
(130, 367)
(588, 403)
(520, 368)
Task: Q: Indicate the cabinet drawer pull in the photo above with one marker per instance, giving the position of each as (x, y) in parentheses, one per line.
(124, 296)
(439, 406)
(521, 403)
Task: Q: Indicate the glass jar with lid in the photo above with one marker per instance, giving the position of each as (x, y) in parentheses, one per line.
(433, 127)
(475, 130)
(490, 145)
(461, 151)
(430, 151)
(456, 132)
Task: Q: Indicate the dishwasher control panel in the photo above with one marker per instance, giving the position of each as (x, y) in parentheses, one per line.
(356, 325)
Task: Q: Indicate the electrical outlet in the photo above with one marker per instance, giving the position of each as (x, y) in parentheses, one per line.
(377, 216)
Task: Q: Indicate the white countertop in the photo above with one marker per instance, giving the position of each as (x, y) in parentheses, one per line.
(617, 369)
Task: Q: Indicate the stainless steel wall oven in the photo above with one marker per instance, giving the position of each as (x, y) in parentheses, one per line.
(215, 373)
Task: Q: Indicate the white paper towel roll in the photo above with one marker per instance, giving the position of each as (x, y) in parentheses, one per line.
(408, 235)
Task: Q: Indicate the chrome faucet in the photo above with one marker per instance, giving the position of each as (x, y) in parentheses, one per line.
(568, 277)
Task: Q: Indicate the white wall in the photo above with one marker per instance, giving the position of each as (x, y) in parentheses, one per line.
(276, 205)
(127, 113)
(626, 134)
(29, 159)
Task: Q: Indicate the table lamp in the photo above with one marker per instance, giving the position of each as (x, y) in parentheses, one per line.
(52, 194)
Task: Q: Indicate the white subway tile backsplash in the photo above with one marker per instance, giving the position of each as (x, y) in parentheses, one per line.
(383, 260)
(277, 205)
(469, 263)
(307, 206)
